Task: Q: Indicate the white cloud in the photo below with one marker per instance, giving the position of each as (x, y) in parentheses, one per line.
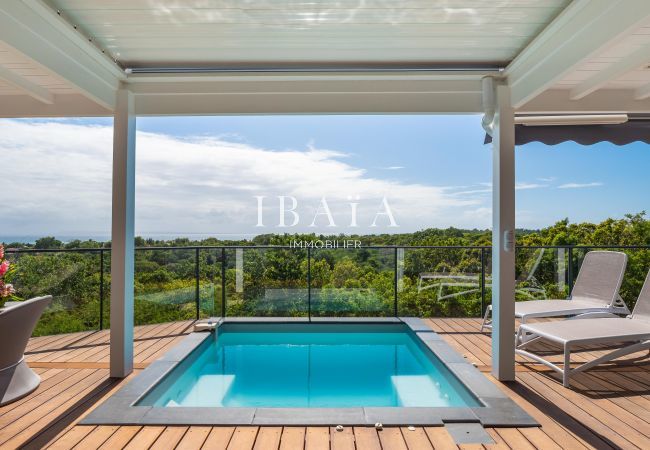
(525, 186)
(579, 185)
(392, 168)
(57, 180)
(486, 188)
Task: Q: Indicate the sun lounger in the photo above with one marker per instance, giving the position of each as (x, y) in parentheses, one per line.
(595, 292)
(630, 335)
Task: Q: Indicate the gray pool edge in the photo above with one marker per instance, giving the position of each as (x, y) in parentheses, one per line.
(499, 410)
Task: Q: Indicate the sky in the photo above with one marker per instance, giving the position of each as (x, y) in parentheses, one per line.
(200, 176)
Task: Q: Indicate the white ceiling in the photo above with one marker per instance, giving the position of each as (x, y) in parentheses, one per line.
(633, 47)
(68, 57)
(30, 71)
(140, 33)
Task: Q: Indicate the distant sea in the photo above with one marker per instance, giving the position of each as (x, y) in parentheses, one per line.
(30, 239)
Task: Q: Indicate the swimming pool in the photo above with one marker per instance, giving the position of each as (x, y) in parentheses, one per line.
(327, 371)
(311, 366)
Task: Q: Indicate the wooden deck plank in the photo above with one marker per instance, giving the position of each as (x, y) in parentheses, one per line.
(440, 438)
(367, 438)
(55, 376)
(514, 439)
(160, 350)
(48, 425)
(317, 438)
(268, 438)
(292, 438)
(97, 437)
(47, 400)
(391, 438)
(499, 443)
(607, 407)
(243, 438)
(416, 439)
(145, 437)
(462, 344)
(589, 418)
(601, 392)
(194, 438)
(219, 438)
(478, 344)
(539, 438)
(142, 342)
(615, 418)
(169, 438)
(551, 425)
(342, 440)
(69, 440)
(56, 341)
(120, 438)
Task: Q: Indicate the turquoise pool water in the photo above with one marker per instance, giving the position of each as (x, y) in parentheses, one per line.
(310, 366)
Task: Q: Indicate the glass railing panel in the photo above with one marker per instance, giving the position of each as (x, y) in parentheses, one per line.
(210, 286)
(353, 282)
(541, 273)
(165, 285)
(288, 282)
(441, 282)
(266, 282)
(71, 278)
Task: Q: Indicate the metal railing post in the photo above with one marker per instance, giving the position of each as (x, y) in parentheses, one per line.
(101, 289)
(223, 281)
(395, 281)
(482, 281)
(198, 281)
(570, 270)
(309, 283)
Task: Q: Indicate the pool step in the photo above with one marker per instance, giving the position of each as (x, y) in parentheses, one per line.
(412, 390)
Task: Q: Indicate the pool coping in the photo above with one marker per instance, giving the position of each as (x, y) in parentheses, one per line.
(499, 410)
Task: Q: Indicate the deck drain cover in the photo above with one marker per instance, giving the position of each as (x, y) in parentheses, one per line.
(468, 433)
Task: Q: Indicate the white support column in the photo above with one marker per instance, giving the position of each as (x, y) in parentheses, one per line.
(122, 238)
(503, 242)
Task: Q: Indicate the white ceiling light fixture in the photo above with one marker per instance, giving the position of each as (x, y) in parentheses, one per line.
(582, 119)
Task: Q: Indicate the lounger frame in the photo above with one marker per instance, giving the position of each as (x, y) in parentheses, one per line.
(638, 343)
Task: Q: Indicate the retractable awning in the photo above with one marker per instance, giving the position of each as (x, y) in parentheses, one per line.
(637, 128)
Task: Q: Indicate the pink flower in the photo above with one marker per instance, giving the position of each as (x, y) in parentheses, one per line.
(6, 290)
(2, 252)
(4, 267)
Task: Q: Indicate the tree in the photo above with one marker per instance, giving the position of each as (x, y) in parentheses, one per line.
(48, 242)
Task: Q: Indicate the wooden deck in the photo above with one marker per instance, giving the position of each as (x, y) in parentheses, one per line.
(608, 407)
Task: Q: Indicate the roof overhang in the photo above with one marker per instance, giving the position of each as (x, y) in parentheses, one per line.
(576, 64)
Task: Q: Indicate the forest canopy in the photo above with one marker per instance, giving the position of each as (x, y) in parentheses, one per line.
(175, 284)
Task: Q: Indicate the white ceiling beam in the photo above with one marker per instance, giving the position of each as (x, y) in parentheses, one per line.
(47, 11)
(579, 32)
(304, 85)
(309, 103)
(642, 92)
(199, 77)
(617, 69)
(67, 105)
(29, 87)
(26, 31)
(603, 101)
(306, 93)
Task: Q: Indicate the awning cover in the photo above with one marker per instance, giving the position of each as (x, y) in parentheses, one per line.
(635, 129)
